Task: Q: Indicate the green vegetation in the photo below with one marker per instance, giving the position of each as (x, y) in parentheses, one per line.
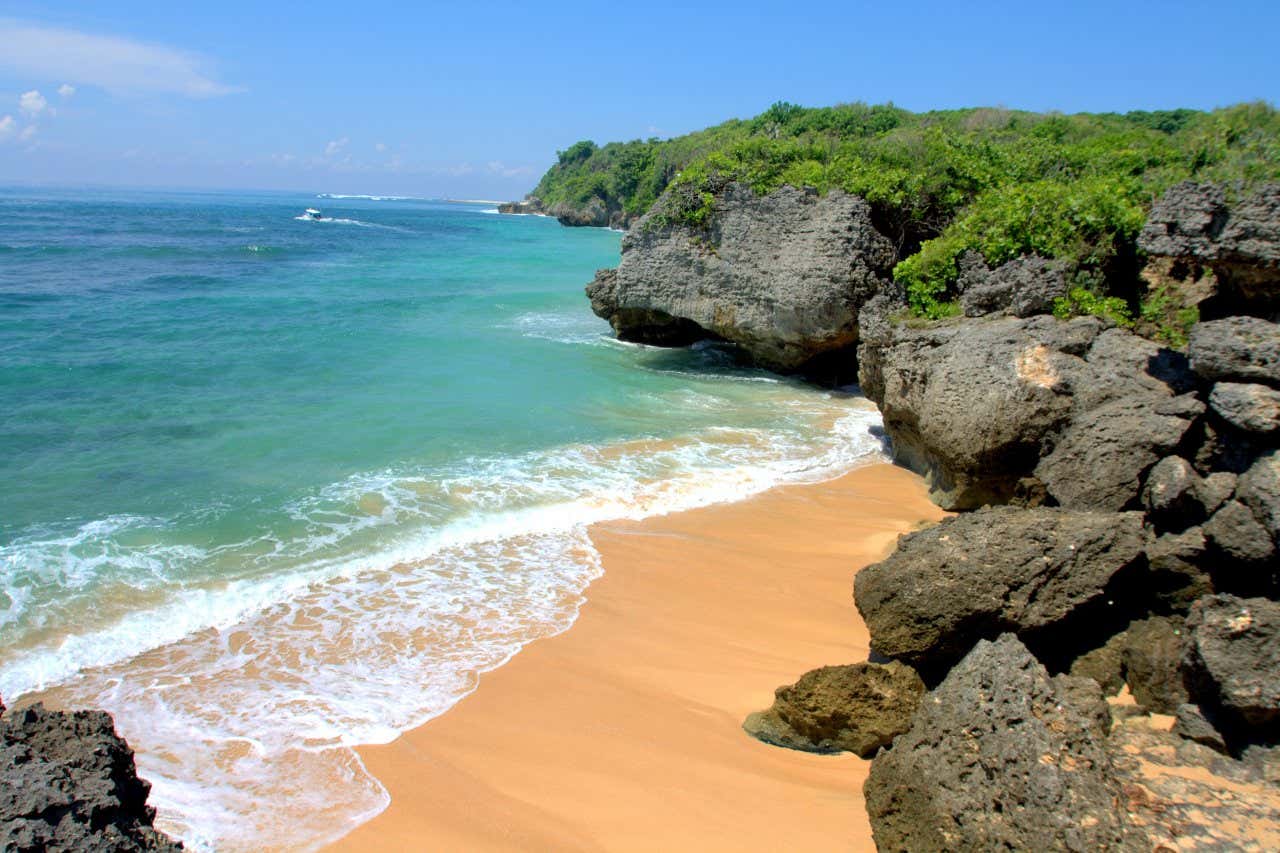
(995, 181)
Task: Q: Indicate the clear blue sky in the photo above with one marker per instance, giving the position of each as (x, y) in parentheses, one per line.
(472, 99)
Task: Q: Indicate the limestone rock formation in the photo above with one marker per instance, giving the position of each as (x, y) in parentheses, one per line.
(992, 408)
(969, 405)
(70, 784)
(1194, 228)
(528, 206)
(1001, 757)
(1035, 572)
(857, 708)
(783, 276)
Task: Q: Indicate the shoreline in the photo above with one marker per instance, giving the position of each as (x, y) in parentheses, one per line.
(634, 713)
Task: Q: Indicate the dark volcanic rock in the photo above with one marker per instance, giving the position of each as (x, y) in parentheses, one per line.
(1022, 287)
(1232, 665)
(70, 784)
(856, 708)
(1176, 571)
(783, 276)
(1100, 459)
(1000, 757)
(1152, 659)
(1035, 572)
(990, 410)
(1247, 406)
(1237, 349)
(1259, 490)
(1172, 494)
(593, 214)
(1105, 664)
(1191, 723)
(1235, 532)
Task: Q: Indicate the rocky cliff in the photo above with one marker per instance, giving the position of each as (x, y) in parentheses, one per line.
(593, 214)
(1120, 521)
(783, 276)
(70, 785)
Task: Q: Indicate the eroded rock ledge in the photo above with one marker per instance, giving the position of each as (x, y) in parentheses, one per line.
(783, 276)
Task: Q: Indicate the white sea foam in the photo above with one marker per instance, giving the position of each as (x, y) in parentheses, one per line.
(373, 197)
(245, 697)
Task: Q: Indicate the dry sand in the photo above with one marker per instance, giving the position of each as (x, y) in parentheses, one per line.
(623, 733)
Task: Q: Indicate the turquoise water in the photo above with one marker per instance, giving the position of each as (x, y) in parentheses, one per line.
(274, 488)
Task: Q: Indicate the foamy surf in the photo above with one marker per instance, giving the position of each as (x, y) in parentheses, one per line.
(245, 697)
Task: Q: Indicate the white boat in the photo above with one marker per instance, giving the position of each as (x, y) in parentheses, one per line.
(311, 213)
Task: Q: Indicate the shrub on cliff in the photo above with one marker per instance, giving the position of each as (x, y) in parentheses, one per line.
(996, 181)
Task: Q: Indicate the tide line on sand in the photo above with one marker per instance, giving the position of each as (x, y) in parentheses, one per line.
(623, 733)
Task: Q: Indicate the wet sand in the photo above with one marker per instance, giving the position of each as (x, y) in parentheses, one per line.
(623, 733)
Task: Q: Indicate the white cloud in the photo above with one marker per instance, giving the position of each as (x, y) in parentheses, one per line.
(336, 146)
(32, 103)
(7, 127)
(497, 167)
(28, 133)
(113, 63)
(66, 90)
(380, 147)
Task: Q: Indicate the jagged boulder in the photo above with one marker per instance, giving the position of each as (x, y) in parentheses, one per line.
(1152, 659)
(592, 214)
(70, 784)
(1190, 722)
(1259, 490)
(1177, 570)
(782, 275)
(970, 405)
(1238, 535)
(1022, 287)
(992, 411)
(1099, 461)
(1247, 406)
(1175, 494)
(1236, 349)
(857, 708)
(1000, 757)
(1194, 227)
(1035, 572)
(1232, 665)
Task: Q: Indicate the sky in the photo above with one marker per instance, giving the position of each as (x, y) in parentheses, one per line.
(473, 99)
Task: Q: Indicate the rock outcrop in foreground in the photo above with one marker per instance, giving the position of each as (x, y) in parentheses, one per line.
(783, 276)
(1040, 573)
(70, 785)
(1001, 757)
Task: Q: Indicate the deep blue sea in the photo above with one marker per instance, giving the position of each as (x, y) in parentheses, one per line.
(274, 488)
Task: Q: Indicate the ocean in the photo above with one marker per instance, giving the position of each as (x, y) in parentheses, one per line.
(275, 488)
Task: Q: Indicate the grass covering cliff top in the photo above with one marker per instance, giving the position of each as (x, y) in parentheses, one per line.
(996, 181)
